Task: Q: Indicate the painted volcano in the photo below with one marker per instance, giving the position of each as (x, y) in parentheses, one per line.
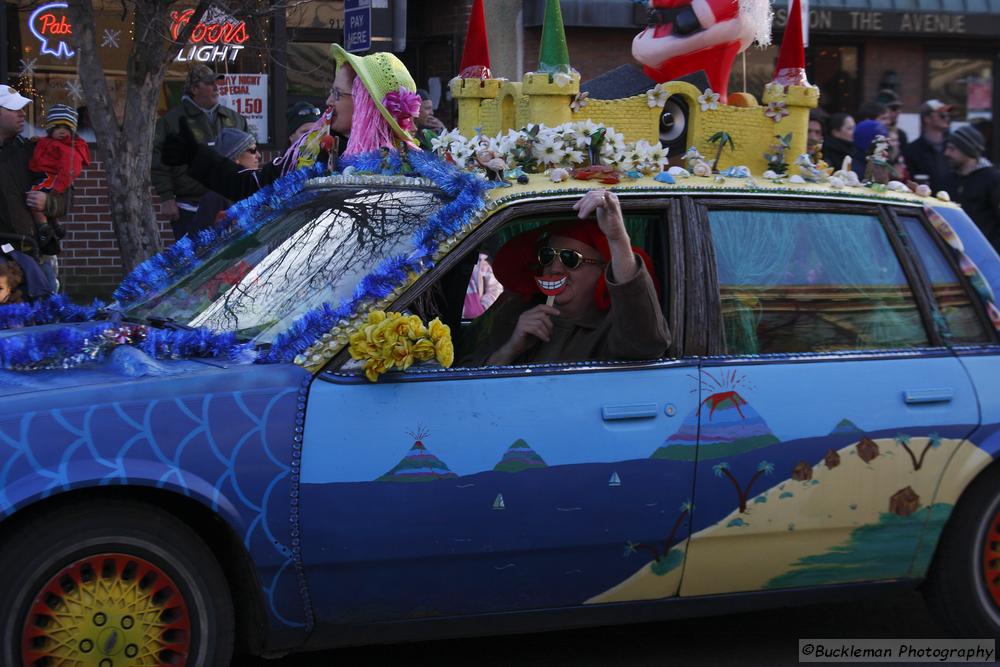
(729, 426)
(846, 427)
(419, 465)
(519, 456)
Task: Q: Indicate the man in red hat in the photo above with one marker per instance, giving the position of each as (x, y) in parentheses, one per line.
(604, 303)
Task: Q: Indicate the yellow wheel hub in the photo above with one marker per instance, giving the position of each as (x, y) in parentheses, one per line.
(107, 610)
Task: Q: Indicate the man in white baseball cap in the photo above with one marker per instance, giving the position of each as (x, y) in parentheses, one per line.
(17, 225)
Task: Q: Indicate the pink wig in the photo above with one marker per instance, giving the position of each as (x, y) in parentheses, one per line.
(369, 130)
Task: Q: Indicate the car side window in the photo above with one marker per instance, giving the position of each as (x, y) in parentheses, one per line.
(809, 281)
(481, 330)
(959, 320)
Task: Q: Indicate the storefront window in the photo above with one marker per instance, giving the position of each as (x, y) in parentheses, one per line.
(964, 83)
(753, 69)
(310, 72)
(835, 70)
(42, 62)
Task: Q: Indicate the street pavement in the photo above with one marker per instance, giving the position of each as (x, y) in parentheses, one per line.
(765, 638)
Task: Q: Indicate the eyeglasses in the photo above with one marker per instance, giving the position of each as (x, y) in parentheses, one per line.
(571, 259)
(337, 93)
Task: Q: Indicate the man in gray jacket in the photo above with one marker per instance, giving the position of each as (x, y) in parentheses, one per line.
(179, 193)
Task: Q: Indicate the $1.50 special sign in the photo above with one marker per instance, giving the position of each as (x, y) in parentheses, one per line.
(247, 95)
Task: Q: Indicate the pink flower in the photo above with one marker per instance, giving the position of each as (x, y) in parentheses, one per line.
(403, 106)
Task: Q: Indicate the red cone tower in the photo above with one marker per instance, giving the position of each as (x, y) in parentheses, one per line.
(476, 53)
(791, 67)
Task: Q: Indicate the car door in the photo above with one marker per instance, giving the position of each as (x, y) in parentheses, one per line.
(443, 492)
(832, 409)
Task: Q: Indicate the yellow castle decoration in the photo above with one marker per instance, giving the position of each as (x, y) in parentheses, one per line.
(493, 106)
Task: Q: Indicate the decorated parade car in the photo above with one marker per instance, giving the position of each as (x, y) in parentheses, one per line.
(279, 436)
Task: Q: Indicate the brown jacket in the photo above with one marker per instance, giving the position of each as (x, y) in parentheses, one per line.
(633, 328)
(15, 182)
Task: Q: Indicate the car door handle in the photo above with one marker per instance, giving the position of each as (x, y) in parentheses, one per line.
(637, 411)
(942, 395)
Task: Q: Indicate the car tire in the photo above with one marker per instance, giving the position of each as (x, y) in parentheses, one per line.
(963, 585)
(121, 581)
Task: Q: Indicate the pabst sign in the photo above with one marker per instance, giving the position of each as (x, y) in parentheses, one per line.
(218, 37)
(52, 29)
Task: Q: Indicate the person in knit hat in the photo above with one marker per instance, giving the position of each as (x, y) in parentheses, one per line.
(975, 181)
(239, 148)
(61, 157)
(602, 301)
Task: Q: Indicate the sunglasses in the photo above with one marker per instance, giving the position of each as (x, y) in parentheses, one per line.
(253, 150)
(571, 259)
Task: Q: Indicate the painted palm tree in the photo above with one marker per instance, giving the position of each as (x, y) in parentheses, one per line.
(722, 138)
(933, 442)
(685, 510)
(742, 493)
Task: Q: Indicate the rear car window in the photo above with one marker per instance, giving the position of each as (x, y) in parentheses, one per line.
(803, 281)
(959, 322)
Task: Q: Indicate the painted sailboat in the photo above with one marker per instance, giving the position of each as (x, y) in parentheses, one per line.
(615, 479)
(498, 502)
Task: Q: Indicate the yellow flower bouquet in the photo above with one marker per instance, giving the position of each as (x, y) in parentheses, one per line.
(395, 340)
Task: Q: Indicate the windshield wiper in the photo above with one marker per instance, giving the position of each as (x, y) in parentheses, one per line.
(160, 323)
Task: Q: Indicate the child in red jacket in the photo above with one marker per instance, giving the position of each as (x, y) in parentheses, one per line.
(60, 156)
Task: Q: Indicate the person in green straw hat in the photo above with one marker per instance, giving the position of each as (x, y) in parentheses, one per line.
(374, 101)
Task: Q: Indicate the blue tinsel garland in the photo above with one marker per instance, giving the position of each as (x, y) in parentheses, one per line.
(242, 218)
(51, 310)
(68, 347)
(467, 192)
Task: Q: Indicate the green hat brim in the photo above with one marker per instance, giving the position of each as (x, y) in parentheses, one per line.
(361, 69)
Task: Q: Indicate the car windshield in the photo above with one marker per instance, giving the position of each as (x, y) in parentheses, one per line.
(313, 252)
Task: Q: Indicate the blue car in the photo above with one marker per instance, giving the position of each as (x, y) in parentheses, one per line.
(203, 469)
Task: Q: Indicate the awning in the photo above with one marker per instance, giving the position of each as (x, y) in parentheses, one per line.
(917, 18)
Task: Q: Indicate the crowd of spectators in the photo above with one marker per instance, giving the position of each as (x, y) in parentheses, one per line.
(945, 156)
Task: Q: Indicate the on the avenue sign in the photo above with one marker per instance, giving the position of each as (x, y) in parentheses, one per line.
(924, 24)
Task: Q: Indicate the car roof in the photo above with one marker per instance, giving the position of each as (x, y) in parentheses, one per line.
(541, 186)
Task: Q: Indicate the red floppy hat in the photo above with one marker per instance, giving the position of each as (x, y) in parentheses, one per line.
(516, 263)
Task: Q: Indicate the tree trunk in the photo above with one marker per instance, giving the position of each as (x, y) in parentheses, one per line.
(132, 212)
(127, 143)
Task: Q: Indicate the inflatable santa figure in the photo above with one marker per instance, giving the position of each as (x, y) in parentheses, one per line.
(692, 35)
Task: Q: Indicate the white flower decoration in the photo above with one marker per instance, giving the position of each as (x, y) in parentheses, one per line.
(561, 79)
(549, 150)
(657, 97)
(709, 100)
(574, 156)
(774, 89)
(460, 152)
(776, 110)
(657, 157)
(579, 102)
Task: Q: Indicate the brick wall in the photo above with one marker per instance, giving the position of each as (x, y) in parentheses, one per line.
(90, 263)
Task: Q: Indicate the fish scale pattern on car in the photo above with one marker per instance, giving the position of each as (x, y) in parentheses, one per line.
(233, 451)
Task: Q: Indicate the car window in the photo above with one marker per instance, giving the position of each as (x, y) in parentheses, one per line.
(959, 321)
(473, 328)
(805, 281)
